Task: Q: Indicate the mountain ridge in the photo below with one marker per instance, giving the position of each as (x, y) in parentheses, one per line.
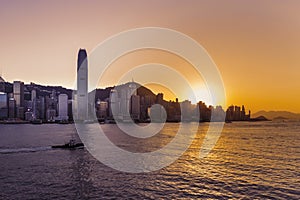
(276, 114)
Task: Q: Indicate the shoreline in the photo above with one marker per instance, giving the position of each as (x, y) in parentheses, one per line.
(171, 122)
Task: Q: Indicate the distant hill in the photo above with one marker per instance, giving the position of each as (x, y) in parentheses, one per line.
(277, 115)
(102, 94)
(280, 118)
(260, 118)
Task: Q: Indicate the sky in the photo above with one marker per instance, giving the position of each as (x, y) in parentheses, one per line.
(255, 44)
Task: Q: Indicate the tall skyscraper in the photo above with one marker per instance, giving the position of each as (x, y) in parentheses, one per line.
(135, 108)
(114, 104)
(19, 93)
(82, 85)
(11, 108)
(3, 106)
(19, 97)
(63, 107)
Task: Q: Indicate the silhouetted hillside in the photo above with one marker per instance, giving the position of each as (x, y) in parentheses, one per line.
(260, 118)
(42, 90)
(277, 114)
(103, 94)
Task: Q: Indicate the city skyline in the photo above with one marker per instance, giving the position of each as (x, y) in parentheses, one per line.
(157, 91)
(253, 43)
(126, 102)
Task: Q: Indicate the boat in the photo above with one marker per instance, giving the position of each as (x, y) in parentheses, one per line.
(70, 145)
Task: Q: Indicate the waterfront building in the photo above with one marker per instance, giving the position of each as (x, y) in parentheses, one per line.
(235, 113)
(218, 114)
(230, 113)
(243, 113)
(102, 108)
(11, 108)
(18, 88)
(135, 107)
(29, 116)
(51, 115)
(3, 106)
(173, 111)
(114, 104)
(20, 112)
(70, 110)
(204, 112)
(82, 85)
(186, 110)
(63, 107)
(157, 113)
(41, 107)
(125, 103)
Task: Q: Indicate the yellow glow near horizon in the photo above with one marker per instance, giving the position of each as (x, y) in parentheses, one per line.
(131, 62)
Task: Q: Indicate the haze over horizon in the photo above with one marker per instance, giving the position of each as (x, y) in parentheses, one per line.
(255, 44)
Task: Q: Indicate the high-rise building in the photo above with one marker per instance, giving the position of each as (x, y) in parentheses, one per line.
(3, 106)
(20, 112)
(50, 115)
(230, 113)
(125, 103)
(33, 95)
(186, 110)
(35, 110)
(3, 100)
(82, 85)
(102, 107)
(135, 107)
(19, 93)
(63, 107)
(157, 113)
(42, 107)
(243, 113)
(218, 114)
(11, 108)
(29, 116)
(114, 104)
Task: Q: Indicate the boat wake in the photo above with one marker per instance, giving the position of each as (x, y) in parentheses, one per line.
(25, 150)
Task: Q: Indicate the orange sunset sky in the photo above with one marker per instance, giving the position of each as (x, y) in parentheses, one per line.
(255, 44)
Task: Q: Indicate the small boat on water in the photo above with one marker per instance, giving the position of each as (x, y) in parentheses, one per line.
(70, 145)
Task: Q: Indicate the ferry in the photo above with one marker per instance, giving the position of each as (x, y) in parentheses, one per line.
(70, 145)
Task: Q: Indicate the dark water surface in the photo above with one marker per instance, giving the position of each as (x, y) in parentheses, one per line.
(250, 161)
